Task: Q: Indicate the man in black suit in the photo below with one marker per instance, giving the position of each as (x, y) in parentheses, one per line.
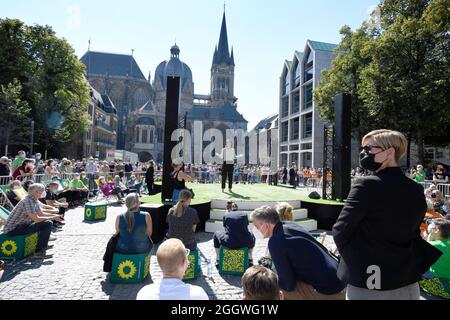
(378, 231)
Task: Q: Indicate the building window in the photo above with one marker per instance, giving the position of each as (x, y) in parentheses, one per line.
(152, 135)
(296, 102)
(298, 75)
(306, 159)
(137, 135)
(295, 129)
(309, 65)
(308, 103)
(307, 126)
(284, 158)
(286, 86)
(284, 148)
(293, 147)
(144, 136)
(285, 107)
(307, 146)
(284, 131)
(293, 158)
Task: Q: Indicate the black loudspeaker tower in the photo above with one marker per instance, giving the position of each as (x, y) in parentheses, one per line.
(171, 124)
(342, 147)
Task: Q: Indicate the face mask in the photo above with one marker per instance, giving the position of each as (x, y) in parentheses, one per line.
(367, 161)
(258, 234)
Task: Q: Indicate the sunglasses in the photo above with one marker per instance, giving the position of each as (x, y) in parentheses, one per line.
(369, 147)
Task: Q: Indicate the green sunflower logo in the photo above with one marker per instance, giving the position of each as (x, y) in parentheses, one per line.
(126, 270)
(88, 212)
(9, 247)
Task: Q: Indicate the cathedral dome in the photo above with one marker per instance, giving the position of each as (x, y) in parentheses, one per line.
(174, 67)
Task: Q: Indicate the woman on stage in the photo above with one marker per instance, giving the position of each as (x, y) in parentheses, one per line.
(228, 156)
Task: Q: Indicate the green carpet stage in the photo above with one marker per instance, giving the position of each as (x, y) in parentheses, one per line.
(324, 211)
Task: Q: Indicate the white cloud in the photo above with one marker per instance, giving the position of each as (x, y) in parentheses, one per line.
(73, 21)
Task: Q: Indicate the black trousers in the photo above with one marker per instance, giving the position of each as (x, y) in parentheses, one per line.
(227, 171)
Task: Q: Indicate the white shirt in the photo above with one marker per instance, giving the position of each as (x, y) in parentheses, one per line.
(171, 289)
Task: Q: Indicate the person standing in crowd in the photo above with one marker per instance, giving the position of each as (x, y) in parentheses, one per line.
(440, 176)
(381, 257)
(128, 168)
(134, 228)
(183, 221)
(25, 170)
(27, 217)
(179, 179)
(92, 174)
(18, 160)
(260, 283)
(293, 176)
(5, 170)
(50, 168)
(173, 260)
(39, 163)
(284, 174)
(228, 155)
(150, 177)
(305, 268)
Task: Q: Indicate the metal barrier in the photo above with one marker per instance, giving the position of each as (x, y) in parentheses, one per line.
(445, 189)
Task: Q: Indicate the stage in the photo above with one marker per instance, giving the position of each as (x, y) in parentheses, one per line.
(210, 204)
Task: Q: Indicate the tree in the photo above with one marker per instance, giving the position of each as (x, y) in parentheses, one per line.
(15, 118)
(406, 84)
(51, 77)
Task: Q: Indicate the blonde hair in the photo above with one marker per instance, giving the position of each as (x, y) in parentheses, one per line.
(284, 210)
(132, 203)
(185, 196)
(170, 255)
(389, 139)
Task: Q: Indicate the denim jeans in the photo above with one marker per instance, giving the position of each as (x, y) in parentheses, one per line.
(44, 228)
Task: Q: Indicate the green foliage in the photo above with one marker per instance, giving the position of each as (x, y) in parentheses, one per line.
(397, 71)
(15, 120)
(51, 76)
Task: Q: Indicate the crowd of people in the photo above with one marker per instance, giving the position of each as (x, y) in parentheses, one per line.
(376, 230)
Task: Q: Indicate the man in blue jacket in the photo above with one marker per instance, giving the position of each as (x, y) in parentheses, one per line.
(305, 268)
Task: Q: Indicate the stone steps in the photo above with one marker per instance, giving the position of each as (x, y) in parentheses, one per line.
(251, 205)
(298, 214)
(217, 225)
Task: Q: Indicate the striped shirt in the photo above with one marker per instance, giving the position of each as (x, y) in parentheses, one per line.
(20, 214)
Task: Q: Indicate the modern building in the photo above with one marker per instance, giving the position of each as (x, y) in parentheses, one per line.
(141, 104)
(300, 127)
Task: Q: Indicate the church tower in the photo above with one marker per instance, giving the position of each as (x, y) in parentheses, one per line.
(222, 70)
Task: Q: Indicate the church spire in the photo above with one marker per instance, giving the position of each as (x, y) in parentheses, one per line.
(223, 51)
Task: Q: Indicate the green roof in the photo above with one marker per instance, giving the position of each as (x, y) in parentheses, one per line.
(321, 46)
(299, 55)
(289, 63)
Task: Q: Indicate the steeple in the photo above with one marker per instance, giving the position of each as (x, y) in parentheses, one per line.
(222, 53)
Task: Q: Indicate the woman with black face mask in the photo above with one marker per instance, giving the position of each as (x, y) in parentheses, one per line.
(382, 253)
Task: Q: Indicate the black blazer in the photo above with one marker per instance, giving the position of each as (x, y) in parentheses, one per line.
(379, 226)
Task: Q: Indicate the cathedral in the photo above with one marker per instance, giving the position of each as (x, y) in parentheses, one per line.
(140, 103)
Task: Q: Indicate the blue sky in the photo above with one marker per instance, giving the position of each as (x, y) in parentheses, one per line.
(263, 34)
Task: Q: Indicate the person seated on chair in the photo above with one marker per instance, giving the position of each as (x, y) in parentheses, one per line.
(51, 198)
(27, 217)
(25, 170)
(134, 185)
(134, 228)
(119, 185)
(173, 260)
(235, 236)
(79, 190)
(260, 283)
(305, 268)
(183, 221)
(439, 237)
(13, 195)
(108, 188)
(284, 210)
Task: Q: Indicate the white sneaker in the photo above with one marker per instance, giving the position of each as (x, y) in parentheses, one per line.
(52, 238)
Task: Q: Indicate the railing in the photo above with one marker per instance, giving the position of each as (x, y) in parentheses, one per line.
(445, 189)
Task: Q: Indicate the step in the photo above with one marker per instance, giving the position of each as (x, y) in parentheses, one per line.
(217, 225)
(216, 214)
(251, 205)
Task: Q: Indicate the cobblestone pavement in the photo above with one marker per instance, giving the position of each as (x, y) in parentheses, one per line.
(76, 270)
